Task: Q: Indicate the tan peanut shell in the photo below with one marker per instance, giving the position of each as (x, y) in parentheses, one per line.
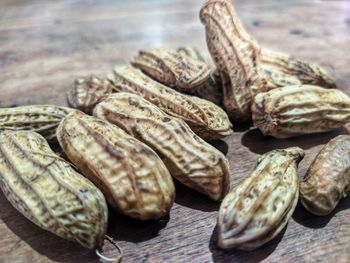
(205, 118)
(48, 191)
(211, 89)
(42, 119)
(306, 73)
(191, 52)
(276, 78)
(256, 210)
(296, 110)
(132, 177)
(236, 55)
(87, 91)
(172, 68)
(188, 158)
(327, 180)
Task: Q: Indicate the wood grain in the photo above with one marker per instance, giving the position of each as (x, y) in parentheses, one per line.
(44, 45)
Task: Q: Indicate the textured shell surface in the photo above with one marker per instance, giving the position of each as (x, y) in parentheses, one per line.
(211, 89)
(42, 119)
(296, 110)
(236, 55)
(276, 78)
(132, 177)
(259, 207)
(306, 73)
(189, 159)
(48, 191)
(207, 119)
(87, 91)
(192, 52)
(327, 180)
(172, 68)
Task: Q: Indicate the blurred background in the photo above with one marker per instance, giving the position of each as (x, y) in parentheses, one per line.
(48, 43)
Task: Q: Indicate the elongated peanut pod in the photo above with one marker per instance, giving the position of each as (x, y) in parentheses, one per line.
(236, 55)
(172, 68)
(48, 191)
(132, 177)
(189, 158)
(306, 73)
(295, 110)
(256, 210)
(42, 119)
(205, 118)
(327, 180)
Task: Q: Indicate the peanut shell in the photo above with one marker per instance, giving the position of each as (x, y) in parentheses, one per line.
(188, 158)
(132, 177)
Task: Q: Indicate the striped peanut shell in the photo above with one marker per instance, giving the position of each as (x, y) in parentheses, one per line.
(48, 191)
(172, 68)
(132, 177)
(290, 67)
(296, 110)
(42, 119)
(205, 118)
(87, 91)
(327, 180)
(236, 55)
(256, 210)
(189, 159)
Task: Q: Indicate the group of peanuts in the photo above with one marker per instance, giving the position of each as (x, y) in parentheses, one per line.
(148, 121)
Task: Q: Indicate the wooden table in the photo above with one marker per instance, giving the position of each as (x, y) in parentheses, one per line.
(44, 45)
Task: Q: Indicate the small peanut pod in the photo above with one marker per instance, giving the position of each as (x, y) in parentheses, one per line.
(256, 210)
(328, 178)
(205, 118)
(42, 119)
(296, 110)
(87, 91)
(132, 177)
(211, 89)
(48, 191)
(172, 68)
(236, 55)
(306, 73)
(189, 159)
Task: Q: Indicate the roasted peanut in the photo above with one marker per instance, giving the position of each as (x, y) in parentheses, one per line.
(328, 178)
(236, 55)
(42, 119)
(189, 159)
(172, 68)
(205, 118)
(276, 78)
(48, 191)
(132, 177)
(296, 110)
(256, 210)
(87, 91)
(291, 68)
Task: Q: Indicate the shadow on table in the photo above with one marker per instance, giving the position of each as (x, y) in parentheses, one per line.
(236, 255)
(188, 197)
(242, 126)
(44, 242)
(307, 219)
(258, 143)
(123, 228)
(220, 145)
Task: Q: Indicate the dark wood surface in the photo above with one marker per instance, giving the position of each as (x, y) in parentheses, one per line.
(44, 45)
